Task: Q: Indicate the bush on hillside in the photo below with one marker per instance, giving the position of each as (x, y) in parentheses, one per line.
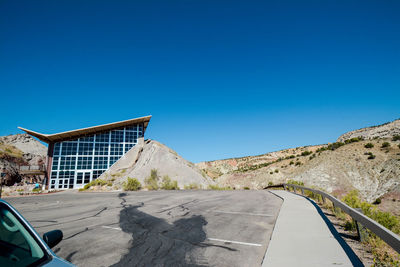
(385, 144)
(132, 184)
(192, 186)
(94, 183)
(396, 138)
(353, 140)
(168, 184)
(306, 153)
(334, 146)
(369, 145)
(216, 187)
(151, 182)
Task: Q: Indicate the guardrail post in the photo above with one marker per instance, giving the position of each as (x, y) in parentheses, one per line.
(302, 191)
(361, 230)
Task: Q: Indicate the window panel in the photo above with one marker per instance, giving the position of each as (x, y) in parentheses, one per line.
(116, 149)
(117, 136)
(57, 147)
(87, 139)
(128, 147)
(96, 174)
(67, 163)
(113, 160)
(85, 149)
(55, 163)
(100, 163)
(101, 149)
(84, 163)
(102, 138)
(69, 148)
(130, 137)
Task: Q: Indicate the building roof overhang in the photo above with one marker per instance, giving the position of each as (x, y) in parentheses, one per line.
(63, 136)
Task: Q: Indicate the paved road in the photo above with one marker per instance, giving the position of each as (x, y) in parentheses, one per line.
(162, 228)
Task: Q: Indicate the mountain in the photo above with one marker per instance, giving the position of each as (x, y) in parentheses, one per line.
(150, 154)
(337, 168)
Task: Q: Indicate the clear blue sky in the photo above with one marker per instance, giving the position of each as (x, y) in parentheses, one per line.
(221, 78)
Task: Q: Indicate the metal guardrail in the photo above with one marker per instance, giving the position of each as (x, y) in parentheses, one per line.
(385, 234)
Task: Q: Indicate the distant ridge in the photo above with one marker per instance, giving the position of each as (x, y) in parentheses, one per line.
(386, 130)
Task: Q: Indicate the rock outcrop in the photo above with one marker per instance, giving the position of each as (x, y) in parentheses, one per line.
(18, 150)
(386, 130)
(150, 154)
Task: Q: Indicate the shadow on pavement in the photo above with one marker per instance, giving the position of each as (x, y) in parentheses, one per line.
(155, 242)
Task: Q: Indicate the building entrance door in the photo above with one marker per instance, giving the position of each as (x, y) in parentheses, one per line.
(82, 178)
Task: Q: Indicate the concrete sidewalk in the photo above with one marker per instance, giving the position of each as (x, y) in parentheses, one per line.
(303, 236)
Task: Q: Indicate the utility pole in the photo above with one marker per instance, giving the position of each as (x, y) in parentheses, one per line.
(2, 174)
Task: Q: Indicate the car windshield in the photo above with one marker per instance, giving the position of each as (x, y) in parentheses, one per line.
(17, 246)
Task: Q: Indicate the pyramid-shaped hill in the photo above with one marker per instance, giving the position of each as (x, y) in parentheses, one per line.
(148, 155)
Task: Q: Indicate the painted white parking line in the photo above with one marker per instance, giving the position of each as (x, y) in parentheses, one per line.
(243, 213)
(114, 228)
(235, 242)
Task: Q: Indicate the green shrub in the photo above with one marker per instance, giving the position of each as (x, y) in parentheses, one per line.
(369, 145)
(298, 163)
(398, 145)
(271, 172)
(94, 183)
(168, 184)
(151, 182)
(396, 138)
(36, 190)
(216, 187)
(353, 140)
(246, 188)
(291, 162)
(306, 153)
(349, 225)
(192, 186)
(321, 149)
(132, 184)
(385, 144)
(270, 183)
(295, 182)
(334, 146)
(372, 156)
(276, 170)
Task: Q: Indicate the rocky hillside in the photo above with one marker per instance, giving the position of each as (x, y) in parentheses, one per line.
(387, 130)
(17, 150)
(150, 154)
(374, 169)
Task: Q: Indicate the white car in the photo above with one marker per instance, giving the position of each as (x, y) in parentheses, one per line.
(21, 245)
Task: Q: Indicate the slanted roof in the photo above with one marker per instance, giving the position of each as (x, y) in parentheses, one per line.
(58, 137)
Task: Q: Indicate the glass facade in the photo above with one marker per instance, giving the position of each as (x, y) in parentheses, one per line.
(77, 162)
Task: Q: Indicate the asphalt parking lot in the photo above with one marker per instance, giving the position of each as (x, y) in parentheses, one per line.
(157, 228)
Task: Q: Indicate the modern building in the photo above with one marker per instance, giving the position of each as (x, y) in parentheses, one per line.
(77, 157)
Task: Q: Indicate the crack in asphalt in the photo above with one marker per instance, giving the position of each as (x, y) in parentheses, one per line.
(75, 220)
(83, 231)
